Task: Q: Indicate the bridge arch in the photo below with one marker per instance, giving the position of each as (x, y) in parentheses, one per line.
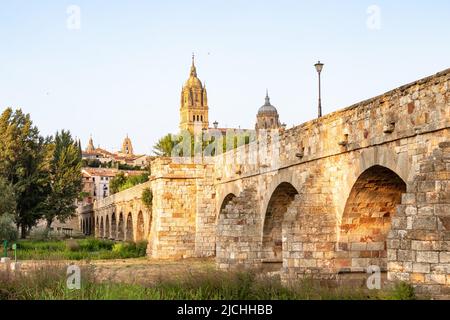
(129, 236)
(228, 198)
(366, 219)
(121, 228)
(296, 180)
(280, 199)
(101, 228)
(140, 227)
(383, 156)
(223, 198)
(107, 228)
(113, 226)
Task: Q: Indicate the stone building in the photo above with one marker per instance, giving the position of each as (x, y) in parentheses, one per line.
(267, 117)
(127, 147)
(194, 103)
(124, 156)
(365, 186)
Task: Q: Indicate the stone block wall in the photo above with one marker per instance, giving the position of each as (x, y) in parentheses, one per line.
(183, 210)
(419, 243)
(327, 196)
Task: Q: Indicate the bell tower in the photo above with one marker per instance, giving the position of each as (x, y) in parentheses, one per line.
(194, 103)
(127, 147)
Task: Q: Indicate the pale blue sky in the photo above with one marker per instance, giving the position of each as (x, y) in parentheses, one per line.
(122, 72)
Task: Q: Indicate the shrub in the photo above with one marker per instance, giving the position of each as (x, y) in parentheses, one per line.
(72, 245)
(95, 244)
(402, 291)
(129, 249)
(8, 230)
(147, 198)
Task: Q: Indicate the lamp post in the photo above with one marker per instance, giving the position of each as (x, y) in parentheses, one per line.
(319, 67)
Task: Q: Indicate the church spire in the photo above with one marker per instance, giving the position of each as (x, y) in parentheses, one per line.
(194, 102)
(90, 147)
(193, 68)
(267, 98)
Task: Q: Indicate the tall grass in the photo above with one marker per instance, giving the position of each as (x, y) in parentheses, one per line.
(48, 282)
(92, 249)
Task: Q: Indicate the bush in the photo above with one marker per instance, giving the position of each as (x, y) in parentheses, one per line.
(8, 230)
(402, 291)
(95, 245)
(130, 249)
(72, 245)
(73, 249)
(147, 198)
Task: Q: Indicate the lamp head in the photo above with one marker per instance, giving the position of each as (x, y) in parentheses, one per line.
(319, 66)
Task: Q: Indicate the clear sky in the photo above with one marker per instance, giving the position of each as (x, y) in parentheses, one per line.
(122, 70)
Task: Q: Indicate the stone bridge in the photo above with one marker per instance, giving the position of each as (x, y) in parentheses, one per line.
(365, 186)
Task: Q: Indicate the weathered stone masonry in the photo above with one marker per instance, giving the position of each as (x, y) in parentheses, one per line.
(367, 185)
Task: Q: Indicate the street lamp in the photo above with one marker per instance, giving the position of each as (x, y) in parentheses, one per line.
(319, 67)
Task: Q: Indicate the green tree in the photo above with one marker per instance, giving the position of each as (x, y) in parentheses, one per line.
(7, 199)
(65, 179)
(7, 229)
(117, 182)
(24, 164)
(164, 146)
(134, 181)
(147, 197)
(7, 210)
(199, 143)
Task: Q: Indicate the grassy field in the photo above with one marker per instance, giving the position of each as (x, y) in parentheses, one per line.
(85, 249)
(46, 279)
(48, 282)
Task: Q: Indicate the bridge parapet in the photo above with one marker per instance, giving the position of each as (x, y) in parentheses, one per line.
(417, 108)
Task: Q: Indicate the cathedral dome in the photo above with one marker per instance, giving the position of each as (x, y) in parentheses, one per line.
(194, 82)
(267, 107)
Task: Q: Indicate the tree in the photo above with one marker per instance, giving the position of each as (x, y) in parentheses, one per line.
(7, 209)
(164, 147)
(117, 182)
(7, 229)
(65, 179)
(7, 199)
(200, 142)
(147, 197)
(120, 182)
(24, 164)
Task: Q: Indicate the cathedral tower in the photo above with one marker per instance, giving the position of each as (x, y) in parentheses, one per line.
(127, 147)
(194, 103)
(90, 148)
(267, 117)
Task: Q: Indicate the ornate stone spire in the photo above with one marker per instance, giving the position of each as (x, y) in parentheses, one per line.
(127, 147)
(194, 102)
(90, 147)
(193, 68)
(267, 98)
(267, 117)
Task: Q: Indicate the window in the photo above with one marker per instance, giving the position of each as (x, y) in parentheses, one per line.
(198, 118)
(201, 118)
(193, 118)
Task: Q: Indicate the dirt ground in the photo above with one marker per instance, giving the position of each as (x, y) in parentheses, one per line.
(141, 271)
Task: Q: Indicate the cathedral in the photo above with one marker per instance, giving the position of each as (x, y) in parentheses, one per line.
(194, 108)
(194, 103)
